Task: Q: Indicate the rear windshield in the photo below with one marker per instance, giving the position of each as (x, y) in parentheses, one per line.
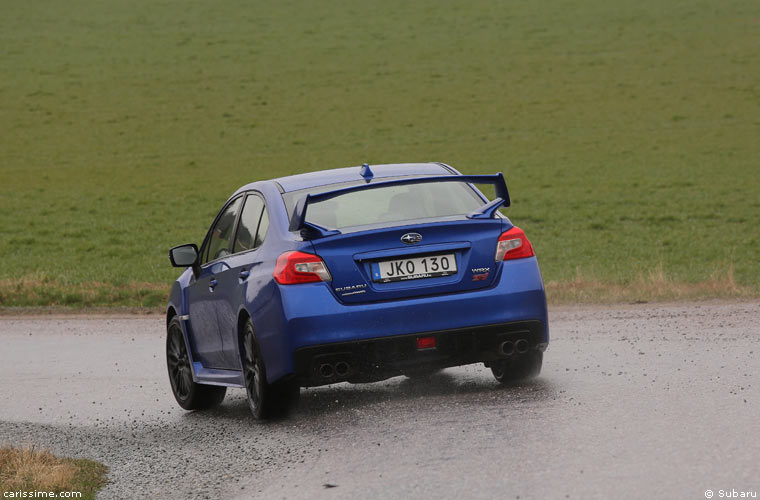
(386, 205)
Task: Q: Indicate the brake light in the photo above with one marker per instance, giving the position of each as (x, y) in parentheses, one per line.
(513, 244)
(300, 267)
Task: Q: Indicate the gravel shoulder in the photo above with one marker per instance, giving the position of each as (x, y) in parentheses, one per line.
(635, 400)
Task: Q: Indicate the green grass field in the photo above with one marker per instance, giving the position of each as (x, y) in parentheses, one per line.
(628, 131)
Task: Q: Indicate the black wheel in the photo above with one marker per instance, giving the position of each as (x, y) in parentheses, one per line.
(518, 367)
(189, 395)
(265, 400)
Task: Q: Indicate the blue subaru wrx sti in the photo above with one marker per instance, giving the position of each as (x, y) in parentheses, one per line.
(354, 274)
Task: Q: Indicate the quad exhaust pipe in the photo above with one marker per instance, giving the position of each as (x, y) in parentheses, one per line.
(326, 370)
(508, 348)
(522, 346)
(329, 370)
(341, 368)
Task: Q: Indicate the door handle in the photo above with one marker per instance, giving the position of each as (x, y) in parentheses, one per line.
(244, 275)
(212, 284)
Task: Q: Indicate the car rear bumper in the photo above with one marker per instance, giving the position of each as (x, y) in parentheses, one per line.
(313, 317)
(380, 358)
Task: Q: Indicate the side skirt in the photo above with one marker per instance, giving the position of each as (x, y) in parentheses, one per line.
(210, 376)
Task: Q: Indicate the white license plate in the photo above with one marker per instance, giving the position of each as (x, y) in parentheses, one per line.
(431, 266)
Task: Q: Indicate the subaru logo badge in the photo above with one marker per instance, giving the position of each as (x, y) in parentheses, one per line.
(411, 238)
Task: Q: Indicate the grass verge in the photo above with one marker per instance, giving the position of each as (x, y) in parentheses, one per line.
(30, 470)
(654, 286)
(40, 290)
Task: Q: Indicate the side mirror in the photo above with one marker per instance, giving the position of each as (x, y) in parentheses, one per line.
(184, 255)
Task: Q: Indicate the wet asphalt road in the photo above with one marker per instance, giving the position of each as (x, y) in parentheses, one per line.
(635, 401)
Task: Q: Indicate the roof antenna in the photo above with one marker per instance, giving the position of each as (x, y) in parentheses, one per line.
(366, 172)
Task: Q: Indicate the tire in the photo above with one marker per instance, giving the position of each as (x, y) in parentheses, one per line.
(189, 395)
(518, 367)
(264, 400)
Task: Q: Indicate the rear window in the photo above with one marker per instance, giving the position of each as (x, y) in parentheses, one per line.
(387, 205)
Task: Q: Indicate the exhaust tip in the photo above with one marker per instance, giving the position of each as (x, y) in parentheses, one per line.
(507, 348)
(522, 346)
(326, 370)
(341, 368)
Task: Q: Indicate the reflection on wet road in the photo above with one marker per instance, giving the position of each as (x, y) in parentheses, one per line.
(634, 401)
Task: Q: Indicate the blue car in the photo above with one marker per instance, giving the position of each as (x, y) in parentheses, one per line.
(353, 275)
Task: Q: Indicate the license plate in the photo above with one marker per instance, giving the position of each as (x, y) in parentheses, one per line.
(431, 266)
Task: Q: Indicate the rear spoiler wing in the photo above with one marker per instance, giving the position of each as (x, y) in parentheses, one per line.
(298, 218)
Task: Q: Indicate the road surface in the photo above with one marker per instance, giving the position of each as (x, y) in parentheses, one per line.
(635, 401)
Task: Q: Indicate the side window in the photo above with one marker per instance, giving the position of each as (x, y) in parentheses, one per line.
(250, 231)
(221, 234)
(263, 226)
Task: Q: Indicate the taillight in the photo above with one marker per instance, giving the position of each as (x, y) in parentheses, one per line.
(300, 267)
(513, 245)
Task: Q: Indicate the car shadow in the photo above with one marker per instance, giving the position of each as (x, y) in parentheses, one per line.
(404, 390)
(340, 398)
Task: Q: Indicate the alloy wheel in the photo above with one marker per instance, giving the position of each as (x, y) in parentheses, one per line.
(179, 364)
(252, 371)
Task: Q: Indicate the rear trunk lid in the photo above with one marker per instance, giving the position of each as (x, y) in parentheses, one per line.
(411, 260)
